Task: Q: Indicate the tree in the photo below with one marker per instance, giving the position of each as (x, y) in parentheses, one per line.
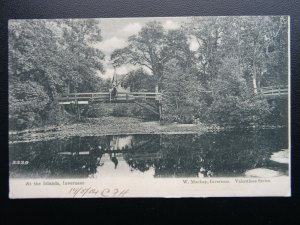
(81, 60)
(152, 48)
(259, 43)
(234, 102)
(27, 100)
(32, 45)
(139, 80)
(208, 32)
(147, 49)
(236, 55)
(49, 54)
(258, 39)
(184, 94)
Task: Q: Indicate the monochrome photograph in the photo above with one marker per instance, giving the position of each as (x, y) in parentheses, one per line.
(149, 107)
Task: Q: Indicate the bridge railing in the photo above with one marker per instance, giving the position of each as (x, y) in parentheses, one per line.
(274, 90)
(107, 96)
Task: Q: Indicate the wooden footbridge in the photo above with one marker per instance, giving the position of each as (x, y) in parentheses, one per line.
(148, 100)
(274, 91)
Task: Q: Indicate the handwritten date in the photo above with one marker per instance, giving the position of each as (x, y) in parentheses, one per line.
(81, 192)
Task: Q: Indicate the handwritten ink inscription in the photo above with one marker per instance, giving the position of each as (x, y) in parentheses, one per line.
(81, 192)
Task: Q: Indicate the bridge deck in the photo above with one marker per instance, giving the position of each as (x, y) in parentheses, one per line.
(86, 98)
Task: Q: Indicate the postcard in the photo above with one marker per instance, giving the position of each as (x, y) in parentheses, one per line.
(149, 107)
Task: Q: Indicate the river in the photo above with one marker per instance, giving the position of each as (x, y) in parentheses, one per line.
(212, 154)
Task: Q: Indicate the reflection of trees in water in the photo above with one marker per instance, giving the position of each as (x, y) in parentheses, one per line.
(222, 154)
(145, 151)
(75, 157)
(119, 142)
(211, 154)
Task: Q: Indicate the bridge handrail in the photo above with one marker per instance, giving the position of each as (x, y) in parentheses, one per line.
(86, 93)
(278, 90)
(107, 93)
(274, 87)
(275, 90)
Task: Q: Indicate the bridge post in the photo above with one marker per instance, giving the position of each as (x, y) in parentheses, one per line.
(77, 109)
(67, 89)
(160, 110)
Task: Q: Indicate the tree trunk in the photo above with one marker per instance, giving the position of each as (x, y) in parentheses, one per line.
(254, 77)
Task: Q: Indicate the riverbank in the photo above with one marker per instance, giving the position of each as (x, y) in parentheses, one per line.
(105, 126)
(114, 126)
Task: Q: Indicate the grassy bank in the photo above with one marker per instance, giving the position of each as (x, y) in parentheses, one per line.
(105, 126)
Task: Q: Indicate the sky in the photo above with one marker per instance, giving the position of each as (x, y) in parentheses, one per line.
(115, 32)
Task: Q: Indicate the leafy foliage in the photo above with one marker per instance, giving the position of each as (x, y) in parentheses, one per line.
(139, 80)
(45, 56)
(220, 81)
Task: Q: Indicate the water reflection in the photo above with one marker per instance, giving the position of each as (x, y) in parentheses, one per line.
(184, 155)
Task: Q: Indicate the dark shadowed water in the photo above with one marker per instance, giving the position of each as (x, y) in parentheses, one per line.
(219, 154)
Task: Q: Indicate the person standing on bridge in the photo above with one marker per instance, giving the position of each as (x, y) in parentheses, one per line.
(114, 93)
